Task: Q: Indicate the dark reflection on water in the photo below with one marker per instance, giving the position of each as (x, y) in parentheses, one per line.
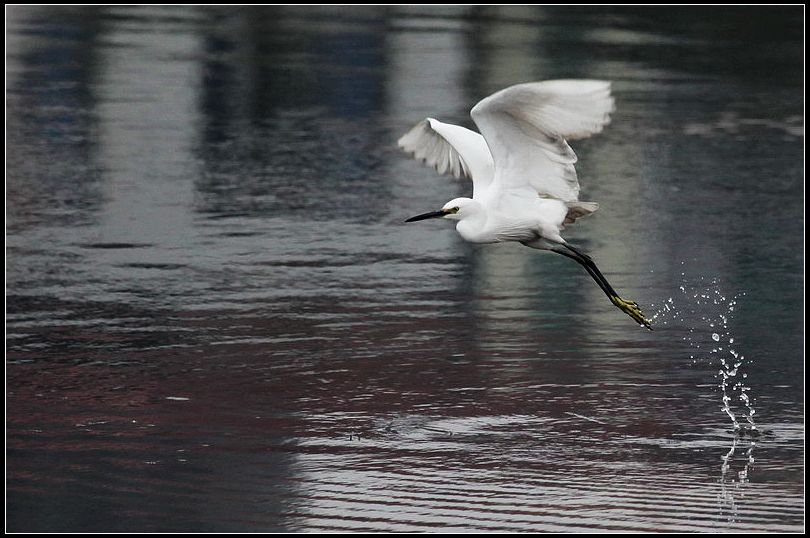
(216, 319)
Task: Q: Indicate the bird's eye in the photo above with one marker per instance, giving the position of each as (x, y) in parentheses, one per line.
(455, 209)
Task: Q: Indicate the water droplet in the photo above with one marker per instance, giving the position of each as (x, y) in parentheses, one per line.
(715, 337)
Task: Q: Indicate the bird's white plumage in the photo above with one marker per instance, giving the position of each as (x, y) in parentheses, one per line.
(526, 127)
(521, 164)
(451, 148)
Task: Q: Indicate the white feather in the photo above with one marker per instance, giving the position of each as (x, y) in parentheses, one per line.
(451, 148)
(526, 126)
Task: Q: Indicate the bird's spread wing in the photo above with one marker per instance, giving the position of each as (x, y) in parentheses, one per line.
(526, 126)
(450, 148)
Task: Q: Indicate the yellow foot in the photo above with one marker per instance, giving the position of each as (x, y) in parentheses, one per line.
(631, 309)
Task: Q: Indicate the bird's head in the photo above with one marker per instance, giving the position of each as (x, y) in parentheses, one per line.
(455, 209)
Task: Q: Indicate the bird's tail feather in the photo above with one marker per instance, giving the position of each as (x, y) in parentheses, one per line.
(577, 210)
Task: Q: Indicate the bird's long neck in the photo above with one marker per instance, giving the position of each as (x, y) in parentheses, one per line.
(472, 226)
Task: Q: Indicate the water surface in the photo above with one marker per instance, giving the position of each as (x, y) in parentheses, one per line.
(217, 320)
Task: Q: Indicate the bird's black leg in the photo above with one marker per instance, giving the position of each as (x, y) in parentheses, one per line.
(583, 260)
(628, 307)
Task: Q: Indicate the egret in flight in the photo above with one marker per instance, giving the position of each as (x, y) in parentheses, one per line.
(525, 188)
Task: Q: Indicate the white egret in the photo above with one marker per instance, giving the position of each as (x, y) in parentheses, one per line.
(525, 188)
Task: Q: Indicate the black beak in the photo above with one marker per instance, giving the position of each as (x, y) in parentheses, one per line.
(431, 215)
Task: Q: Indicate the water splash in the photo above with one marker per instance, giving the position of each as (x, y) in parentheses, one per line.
(703, 312)
(731, 484)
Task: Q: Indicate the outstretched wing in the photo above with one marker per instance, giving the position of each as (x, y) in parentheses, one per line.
(450, 148)
(526, 126)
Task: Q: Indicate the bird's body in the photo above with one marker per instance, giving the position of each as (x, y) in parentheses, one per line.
(525, 187)
(527, 220)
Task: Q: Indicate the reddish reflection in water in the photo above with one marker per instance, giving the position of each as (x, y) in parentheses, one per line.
(409, 438)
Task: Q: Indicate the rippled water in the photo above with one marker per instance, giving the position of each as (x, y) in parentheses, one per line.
(217, 320)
